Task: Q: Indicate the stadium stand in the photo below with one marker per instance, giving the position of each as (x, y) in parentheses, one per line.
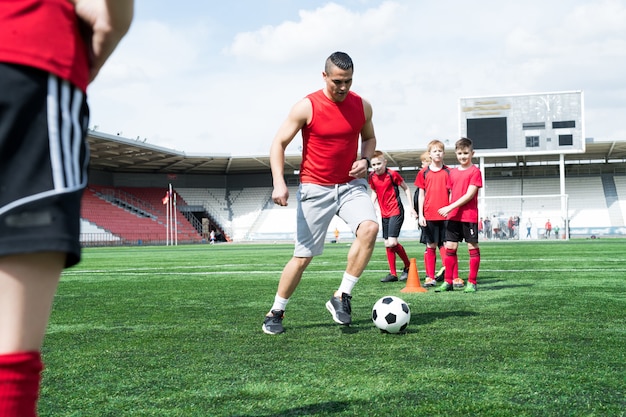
(620, 193)
(132, 215)
(233, 193)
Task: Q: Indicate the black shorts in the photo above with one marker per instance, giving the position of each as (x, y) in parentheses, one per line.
(43, 162)
(434, 232)
(459, 231)
(392, 225)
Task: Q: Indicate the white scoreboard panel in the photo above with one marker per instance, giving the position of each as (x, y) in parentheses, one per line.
(542, 123)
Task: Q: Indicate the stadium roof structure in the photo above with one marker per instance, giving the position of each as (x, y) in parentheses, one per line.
(115, 153)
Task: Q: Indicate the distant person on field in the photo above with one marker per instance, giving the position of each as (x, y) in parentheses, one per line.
(462, 215)
(386, 184)
(529, 226)
(212, 237)
(511, 226)
(49, 53)
(334, 121)
(431, 183)
(487, 228)
(548, 228)
(495, 227)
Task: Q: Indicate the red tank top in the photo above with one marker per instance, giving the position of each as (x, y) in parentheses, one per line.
(331, 140)
(44, 34)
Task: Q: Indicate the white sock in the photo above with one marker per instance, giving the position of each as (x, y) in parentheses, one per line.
(280, 303)
(347, 283)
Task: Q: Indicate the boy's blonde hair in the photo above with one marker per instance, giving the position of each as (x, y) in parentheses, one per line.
(435, 142)
(378, 154)
(425, 157)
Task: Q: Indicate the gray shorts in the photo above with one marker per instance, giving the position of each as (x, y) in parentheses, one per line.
(317, 204)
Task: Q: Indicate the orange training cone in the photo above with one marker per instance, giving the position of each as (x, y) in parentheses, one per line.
(413, 281)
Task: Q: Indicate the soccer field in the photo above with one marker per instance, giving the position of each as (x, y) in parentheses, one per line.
(176, 331)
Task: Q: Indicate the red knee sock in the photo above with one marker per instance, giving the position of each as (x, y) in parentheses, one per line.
(442, 255)
(430, 258)
(474, 264)
(402, 254)
(391, 258)
(20, 374)
(452, 264)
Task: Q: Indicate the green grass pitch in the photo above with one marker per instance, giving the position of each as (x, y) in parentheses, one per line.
(176, 331)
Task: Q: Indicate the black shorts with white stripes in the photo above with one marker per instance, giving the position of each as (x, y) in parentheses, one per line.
(43, 162)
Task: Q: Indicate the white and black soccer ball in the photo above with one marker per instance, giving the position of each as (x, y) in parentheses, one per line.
(391, 314)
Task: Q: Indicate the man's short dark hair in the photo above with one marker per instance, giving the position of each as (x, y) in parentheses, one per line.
(339, 59)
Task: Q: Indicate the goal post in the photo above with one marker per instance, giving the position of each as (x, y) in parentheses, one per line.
(529, 214)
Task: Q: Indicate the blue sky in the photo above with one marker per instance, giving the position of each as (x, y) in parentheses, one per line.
(219, 77)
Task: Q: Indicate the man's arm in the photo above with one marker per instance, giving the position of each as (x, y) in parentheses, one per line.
(368, 144)
(297, 118)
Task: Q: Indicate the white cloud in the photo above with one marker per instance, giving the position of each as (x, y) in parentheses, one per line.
(317, 29)
(182, 86)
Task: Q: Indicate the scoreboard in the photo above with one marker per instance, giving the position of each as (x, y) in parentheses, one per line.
(542, 123)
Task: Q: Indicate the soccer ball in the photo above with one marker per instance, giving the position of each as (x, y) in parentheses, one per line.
(391, 314)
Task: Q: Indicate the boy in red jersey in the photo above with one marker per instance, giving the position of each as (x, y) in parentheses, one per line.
(45, 66)
(431, 183)
(462, 215)
(385, 185)
(333, 122)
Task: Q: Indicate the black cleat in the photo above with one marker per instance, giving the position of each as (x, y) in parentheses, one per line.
(389, 278)
(440, 275)
(340, 308)
(405, 274)
(274, 324)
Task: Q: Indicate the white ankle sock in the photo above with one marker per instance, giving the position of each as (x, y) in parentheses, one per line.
(347, 283)
(280, 303)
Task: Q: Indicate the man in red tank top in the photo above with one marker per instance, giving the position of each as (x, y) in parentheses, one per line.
(334, 121)
(47, 59)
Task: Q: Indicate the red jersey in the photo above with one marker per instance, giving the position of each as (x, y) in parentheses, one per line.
(386, 186)
(44, 34)
(435, 186)
(459, 182)
(331, 141)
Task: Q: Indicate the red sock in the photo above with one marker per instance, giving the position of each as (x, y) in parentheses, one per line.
(474, 264)
(430, 257)
(20, 374)
(452, 262)
(442, 255)
(391, 258)
(402, 254)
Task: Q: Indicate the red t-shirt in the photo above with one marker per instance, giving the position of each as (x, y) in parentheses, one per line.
(459, 182)
(331, 141)
(435, 186)
(386, 187)
(44, 34)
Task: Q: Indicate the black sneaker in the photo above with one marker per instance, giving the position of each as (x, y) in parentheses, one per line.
(441, 274)
(405, 274)
(274, 324)
(340, 308)
(389, 278)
